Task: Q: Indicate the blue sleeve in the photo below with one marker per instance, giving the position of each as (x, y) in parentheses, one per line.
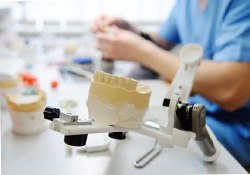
(233, 37)
(168, 29)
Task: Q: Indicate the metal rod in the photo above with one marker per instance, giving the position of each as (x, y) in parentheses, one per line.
(148, 156)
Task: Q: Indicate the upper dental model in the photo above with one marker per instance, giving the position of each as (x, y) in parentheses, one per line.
(118, 101)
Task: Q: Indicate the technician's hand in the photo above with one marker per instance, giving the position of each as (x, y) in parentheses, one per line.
(121, 44)
(103, 21)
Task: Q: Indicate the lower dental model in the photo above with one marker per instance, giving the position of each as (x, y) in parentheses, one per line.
(118, 101)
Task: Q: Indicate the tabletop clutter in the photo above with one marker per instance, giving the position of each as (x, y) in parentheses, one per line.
(23, 98)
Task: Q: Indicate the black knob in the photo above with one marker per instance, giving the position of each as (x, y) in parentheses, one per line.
(76, 140)
(50, 113)
(166, 102)
(117, 135)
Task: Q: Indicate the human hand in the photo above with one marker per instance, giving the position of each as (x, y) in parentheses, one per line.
(103, 21)
(120, 44)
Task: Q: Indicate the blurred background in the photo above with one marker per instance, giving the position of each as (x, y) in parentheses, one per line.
(34, 27)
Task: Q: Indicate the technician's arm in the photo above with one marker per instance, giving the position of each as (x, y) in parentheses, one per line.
(224, 83)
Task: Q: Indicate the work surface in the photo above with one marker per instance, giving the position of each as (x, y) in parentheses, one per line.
(46, 153)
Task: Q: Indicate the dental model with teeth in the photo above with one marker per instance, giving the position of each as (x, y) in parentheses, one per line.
(118, 101)
(26, 112)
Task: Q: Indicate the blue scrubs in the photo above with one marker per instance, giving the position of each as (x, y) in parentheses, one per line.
(223, 29)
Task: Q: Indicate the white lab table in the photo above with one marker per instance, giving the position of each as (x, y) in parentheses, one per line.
(46, 153)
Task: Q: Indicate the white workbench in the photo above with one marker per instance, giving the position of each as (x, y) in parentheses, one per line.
(46, 154)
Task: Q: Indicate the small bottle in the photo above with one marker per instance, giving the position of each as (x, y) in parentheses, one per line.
(108, 65)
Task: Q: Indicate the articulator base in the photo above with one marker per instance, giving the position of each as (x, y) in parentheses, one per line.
(189, 123)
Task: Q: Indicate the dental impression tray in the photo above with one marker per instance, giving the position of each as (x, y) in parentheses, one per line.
(117, 105)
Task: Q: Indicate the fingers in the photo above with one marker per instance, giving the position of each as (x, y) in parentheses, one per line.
(106, 50)
(97, 24)
(103, 21)
(113, 43)
(111, 36)
(105, 44)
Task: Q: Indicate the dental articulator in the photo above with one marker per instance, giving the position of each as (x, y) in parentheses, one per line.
(117, 105)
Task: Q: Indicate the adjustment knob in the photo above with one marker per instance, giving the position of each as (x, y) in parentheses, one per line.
(117, 135)
(50, 113)
(76, 140)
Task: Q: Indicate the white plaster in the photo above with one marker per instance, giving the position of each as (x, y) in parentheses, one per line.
(125, 115)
